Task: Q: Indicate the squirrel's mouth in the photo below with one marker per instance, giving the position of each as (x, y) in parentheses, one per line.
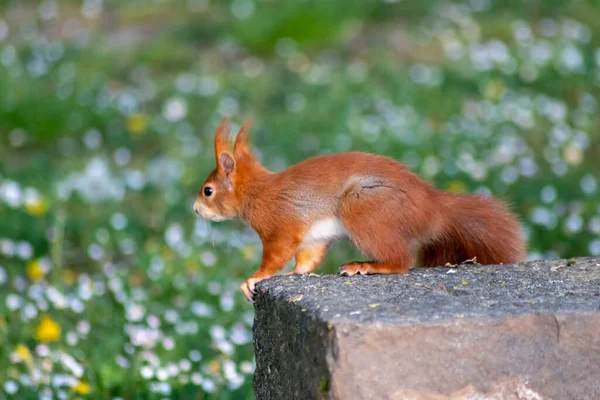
(215, 217)
(207, 214)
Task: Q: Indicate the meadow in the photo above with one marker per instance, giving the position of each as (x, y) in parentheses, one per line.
(112, 288)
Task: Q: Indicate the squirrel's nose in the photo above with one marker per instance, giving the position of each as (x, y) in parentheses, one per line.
(196, 208)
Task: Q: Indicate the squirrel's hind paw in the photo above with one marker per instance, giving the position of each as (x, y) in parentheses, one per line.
(354, 268)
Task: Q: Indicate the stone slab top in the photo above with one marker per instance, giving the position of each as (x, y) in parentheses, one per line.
(434, 295)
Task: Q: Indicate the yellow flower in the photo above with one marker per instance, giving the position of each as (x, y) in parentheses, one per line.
(191, 265)
(137, 123)
(69, 276)
(249, 252)
(37, 205)
(82, 388)
(48, 330)
(456, 187)
(494, 90)
(573, 154)
(35, 270)
(23, 352)
(214, 366)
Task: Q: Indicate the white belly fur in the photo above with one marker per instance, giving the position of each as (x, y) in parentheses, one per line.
(324, 231)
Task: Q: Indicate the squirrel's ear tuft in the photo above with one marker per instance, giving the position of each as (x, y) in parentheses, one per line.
(241, 141)
(226, 163)
(222, 138)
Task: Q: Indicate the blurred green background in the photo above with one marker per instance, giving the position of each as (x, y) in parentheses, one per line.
(110, 287)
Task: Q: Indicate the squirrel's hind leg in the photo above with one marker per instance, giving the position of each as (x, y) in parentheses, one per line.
(371, 215)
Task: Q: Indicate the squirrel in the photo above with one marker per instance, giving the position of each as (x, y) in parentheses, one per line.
(393, 216)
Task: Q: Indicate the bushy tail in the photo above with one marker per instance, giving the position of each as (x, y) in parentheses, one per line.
(475, 226)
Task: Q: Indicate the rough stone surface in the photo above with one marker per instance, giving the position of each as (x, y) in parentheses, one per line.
(522, 331)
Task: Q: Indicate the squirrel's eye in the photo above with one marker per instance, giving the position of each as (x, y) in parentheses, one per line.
(208, 191)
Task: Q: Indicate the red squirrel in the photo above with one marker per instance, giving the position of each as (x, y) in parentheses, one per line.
(393, 216)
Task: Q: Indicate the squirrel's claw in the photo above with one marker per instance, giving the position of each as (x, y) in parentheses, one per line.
(249, 295)
(302, 273)
(354, 268)
(249, 288)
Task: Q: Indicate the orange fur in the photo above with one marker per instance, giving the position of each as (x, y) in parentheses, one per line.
(393, 216)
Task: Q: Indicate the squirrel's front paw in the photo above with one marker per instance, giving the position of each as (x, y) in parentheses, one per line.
(248, 288)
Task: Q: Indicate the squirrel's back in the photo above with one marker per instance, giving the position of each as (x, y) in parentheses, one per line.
(314, 186)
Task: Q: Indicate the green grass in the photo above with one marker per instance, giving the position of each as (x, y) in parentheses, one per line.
(96, 224)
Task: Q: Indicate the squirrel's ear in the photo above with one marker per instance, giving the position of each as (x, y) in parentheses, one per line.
(222, 138)
(226, 163)
(241, 141)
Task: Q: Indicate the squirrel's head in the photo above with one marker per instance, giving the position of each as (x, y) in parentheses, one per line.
(219, 198)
